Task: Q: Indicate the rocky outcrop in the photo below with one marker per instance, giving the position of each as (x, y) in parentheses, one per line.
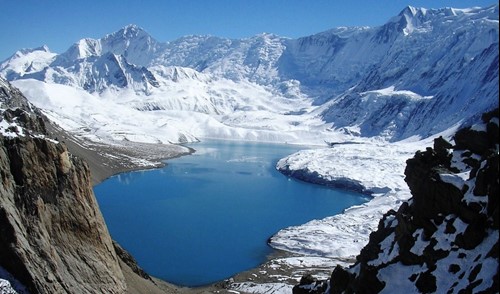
(445, 238)
(53, 238)
(311, 176)
(53, 235)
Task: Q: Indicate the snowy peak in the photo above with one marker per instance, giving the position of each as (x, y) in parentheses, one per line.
(412, 18)
(26, 61)
(110, 71)
(133, 43)
(405, 23)
(81, 49)
(418, 16)
(98, 73)
(95, 65)
(130, 31)
(43, 48)
(412, 11)
(447, 58)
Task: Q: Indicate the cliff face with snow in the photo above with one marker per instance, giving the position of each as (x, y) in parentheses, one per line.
(445, 238)
(422, 72)
(53, 237)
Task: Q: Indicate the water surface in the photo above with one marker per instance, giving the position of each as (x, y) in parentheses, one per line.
(207, 216)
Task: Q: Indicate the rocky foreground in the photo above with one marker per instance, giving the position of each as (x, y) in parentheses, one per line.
(445, 238)
(53, 238)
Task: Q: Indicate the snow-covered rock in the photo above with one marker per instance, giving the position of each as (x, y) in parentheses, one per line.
(421, 73)
(445, 238)
(424, 72)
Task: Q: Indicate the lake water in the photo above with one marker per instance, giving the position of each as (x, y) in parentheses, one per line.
(208, 216)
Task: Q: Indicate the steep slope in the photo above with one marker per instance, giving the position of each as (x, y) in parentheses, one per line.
(53, 237)
(112, 62)
(421, 73)
(445, 238)
(96, 73)
(421, 78)
(252, 59)
(136, 45)
(425, 78)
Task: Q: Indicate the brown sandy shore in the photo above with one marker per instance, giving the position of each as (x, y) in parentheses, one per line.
(107, 160)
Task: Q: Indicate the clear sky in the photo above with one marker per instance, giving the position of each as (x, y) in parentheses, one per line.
(60, 23)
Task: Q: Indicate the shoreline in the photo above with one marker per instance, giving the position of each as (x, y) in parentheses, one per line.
(110, 159)
(107, 160)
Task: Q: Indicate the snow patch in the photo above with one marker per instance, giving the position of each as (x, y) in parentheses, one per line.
(250, 287)
(458, 180)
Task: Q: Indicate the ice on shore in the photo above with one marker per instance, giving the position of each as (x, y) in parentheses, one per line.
(377, 167)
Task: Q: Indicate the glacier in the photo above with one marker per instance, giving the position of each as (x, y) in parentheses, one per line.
(387, 91)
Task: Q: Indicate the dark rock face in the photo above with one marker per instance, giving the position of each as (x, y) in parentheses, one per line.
(53, 238)
(130, 261)
(313, 177)
(445, 238)
(310, 285)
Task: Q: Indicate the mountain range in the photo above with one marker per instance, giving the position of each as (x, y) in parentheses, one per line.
(422, 72)
(426, 72)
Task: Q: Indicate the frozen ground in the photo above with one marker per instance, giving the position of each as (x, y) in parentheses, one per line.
(376, 167)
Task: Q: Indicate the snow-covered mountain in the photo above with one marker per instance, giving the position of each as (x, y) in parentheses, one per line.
(136, 45)
(444, 239)
(421, 73)
(435, 68)
(26, 61)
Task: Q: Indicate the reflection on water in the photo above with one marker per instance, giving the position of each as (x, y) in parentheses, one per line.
(207, 216)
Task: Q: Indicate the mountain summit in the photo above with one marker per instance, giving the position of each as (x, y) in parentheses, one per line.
(425, 71)
(133, 43)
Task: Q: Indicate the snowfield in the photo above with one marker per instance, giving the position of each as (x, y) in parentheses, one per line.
(179, 113)
(376, 95)
(376, 167)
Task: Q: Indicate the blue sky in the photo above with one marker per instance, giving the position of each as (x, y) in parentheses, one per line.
(60, 23)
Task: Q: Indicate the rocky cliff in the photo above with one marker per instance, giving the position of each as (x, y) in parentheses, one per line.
(445, 238)
(53, 238)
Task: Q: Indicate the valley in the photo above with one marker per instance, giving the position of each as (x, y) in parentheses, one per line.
(127, 101)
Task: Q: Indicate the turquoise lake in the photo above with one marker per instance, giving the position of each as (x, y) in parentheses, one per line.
(208, 216)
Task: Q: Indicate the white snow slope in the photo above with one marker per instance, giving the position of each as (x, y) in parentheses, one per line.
(422, 72)
(389, 89)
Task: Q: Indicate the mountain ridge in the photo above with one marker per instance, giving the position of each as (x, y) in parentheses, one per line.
(337, 70)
